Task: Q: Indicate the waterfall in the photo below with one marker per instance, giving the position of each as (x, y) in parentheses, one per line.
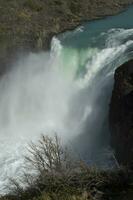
(67, 91)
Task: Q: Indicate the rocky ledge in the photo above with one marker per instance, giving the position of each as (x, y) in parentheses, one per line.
(121, 114)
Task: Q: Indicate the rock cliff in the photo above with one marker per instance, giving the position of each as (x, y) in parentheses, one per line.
(121, 114)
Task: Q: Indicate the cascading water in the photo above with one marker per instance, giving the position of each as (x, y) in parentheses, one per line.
(66, 91)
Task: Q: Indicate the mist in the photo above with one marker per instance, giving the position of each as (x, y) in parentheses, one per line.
(64, 91)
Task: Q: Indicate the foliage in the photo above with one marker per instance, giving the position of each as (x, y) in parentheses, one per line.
(53, 174)
(33, 5)
(24, 15)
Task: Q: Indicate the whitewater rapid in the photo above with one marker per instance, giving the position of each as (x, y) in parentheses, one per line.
(67, 91)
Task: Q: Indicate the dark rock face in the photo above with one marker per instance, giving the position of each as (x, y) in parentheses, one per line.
(121, 114)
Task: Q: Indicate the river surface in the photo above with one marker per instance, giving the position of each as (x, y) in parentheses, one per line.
(67, 91)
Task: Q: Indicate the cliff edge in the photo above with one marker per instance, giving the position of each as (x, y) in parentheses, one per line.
(29, 25)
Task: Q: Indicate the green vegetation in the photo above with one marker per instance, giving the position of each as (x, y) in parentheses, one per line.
(22, 21)
(52, 173)
(33, 5)
(28, 25)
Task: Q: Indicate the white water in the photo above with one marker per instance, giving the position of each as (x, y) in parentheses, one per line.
(66, 91)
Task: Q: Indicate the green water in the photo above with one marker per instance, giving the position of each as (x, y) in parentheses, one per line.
(89, 56)
(67, 92)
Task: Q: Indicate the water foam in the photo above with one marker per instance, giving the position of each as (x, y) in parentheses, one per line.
(65, 91)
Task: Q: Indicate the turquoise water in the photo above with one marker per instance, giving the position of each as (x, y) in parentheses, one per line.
(90, 30)
(81, 44)
(67, 91)
(90, 54)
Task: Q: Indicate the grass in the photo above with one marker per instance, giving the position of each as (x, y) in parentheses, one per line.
(24, 15)
(33, 5)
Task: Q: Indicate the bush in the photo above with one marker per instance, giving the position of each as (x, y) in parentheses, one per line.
(51, 169)
(33, 5)
(56, 175)
(24, 15)
(49, 156)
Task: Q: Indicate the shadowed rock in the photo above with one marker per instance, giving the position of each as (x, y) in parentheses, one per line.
(121, 114)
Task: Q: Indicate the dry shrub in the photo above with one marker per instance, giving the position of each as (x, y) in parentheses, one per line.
(24, 15)
(49, 167)
(53, 174)
(34, 5)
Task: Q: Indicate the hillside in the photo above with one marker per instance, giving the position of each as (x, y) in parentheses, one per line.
(30, 24)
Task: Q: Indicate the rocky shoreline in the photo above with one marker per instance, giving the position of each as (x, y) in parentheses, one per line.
(29, 25)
